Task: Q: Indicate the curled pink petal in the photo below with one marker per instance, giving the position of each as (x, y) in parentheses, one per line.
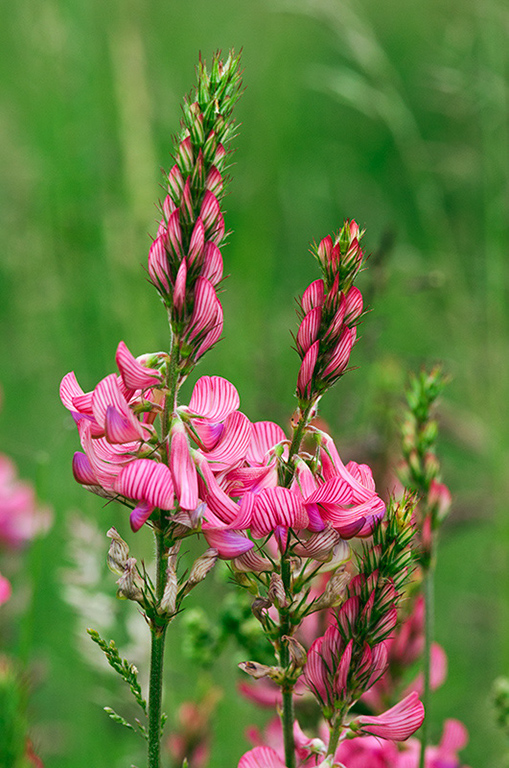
(229, 544)
(133, 373)
(119, 428)
(264, 436)
(82, 470)
(182, 468)
(146, 480)
(233, 444)
(306, 371)
(397, 723)
(140, 515)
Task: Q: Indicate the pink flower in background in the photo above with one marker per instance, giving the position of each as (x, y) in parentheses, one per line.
(20, 517)
(397, 723)
(5, 589)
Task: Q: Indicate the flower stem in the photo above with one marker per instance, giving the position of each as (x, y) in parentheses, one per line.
(335, 732)
(428, 637)
(158, 634)
(288, 714)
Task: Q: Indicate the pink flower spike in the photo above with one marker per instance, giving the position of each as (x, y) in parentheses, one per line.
(313, 296)
(148, 481)
(133, 373)
(213, 398)
(229, 544)
(158, 264)
(5, 589)
(182, 468)
(397, 723)
(306, 371)
(212, 264)
(261, 757)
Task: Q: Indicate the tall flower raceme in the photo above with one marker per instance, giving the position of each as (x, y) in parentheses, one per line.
(139, 445)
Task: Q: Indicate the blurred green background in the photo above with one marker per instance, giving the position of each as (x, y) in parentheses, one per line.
(393, 113)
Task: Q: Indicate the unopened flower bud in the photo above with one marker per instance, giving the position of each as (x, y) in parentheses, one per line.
(298, 654)
(128, 588)
(254, 669)
(333, 592)
(169, 599)
(118, 552)
(200, 568)
(276, 593)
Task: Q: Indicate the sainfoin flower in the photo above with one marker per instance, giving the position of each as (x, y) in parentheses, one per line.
(397, 723)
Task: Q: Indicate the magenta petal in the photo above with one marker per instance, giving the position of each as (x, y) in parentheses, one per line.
(229, 544)
(212, 264)
(313, 296)
(306, 371)
(308, 330)
(134, 374)
(82, 470)
(204, 313)
(140, 515)
(158, 264)
(119, 428)
(182, 469)
(213, 398)
(179, 291)
(315, 520)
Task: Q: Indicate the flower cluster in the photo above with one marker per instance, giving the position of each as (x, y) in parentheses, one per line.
(330, 309)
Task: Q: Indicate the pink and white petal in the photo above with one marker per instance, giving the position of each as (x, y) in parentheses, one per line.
(334, 467)
(397, 723)
(213, 334)
(276, 507)
(304, 479)
(146, 480)
(341, 676)
(69, 389)
(229, 544)
(179, 290)
(261, 757)
(133, 373)
(206, 433)
(213, 398)
(213, 264)
(233, 444)
(306, 371)
(106, 393)
(331, 493)
(264, 436)
(308, 330)
(313, 296)
(140, 515)
(353, 304)
(210, 491)
(197, 244)
(158, 262)
(182, 468)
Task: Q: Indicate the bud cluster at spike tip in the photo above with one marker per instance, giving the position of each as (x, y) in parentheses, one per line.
(330, 310)
(185, 263)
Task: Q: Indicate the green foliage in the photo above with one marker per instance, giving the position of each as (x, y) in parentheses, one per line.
(127, 671)
(13, 720)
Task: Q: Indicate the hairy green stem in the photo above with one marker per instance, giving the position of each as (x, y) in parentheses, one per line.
(428, 638)
(298, 434)
(158, 633)
(335, 733)
(288, 713)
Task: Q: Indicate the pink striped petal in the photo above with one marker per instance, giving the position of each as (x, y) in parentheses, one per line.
(252, 562)
(168, 207)
(341, 676)
(146, 480)
(264, 436)
(397, 723)
(347, 614)
(70, 389)
(213, 398)
(333, 467)
(214, 181)
(175, 184)
(185, 157)
(204, 314)
(133, 373)
(353, 304)
(308, 331)
(337, 320)
(106, 460)
(197, 244)
(212, 264)
(229, 544)
(206, 433)
(261, 757)
(179, 291)
(182, 468)
(316, 673)
(341, 354)
(378, 663)
(217, 234)
(306, 371)
(313, 296)
(333, 492)
(218, 502)
(119, 428)
(213, 335)
(277, 507)
(158, 264)
(233, 444)
(210, 211)
(174, 233)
